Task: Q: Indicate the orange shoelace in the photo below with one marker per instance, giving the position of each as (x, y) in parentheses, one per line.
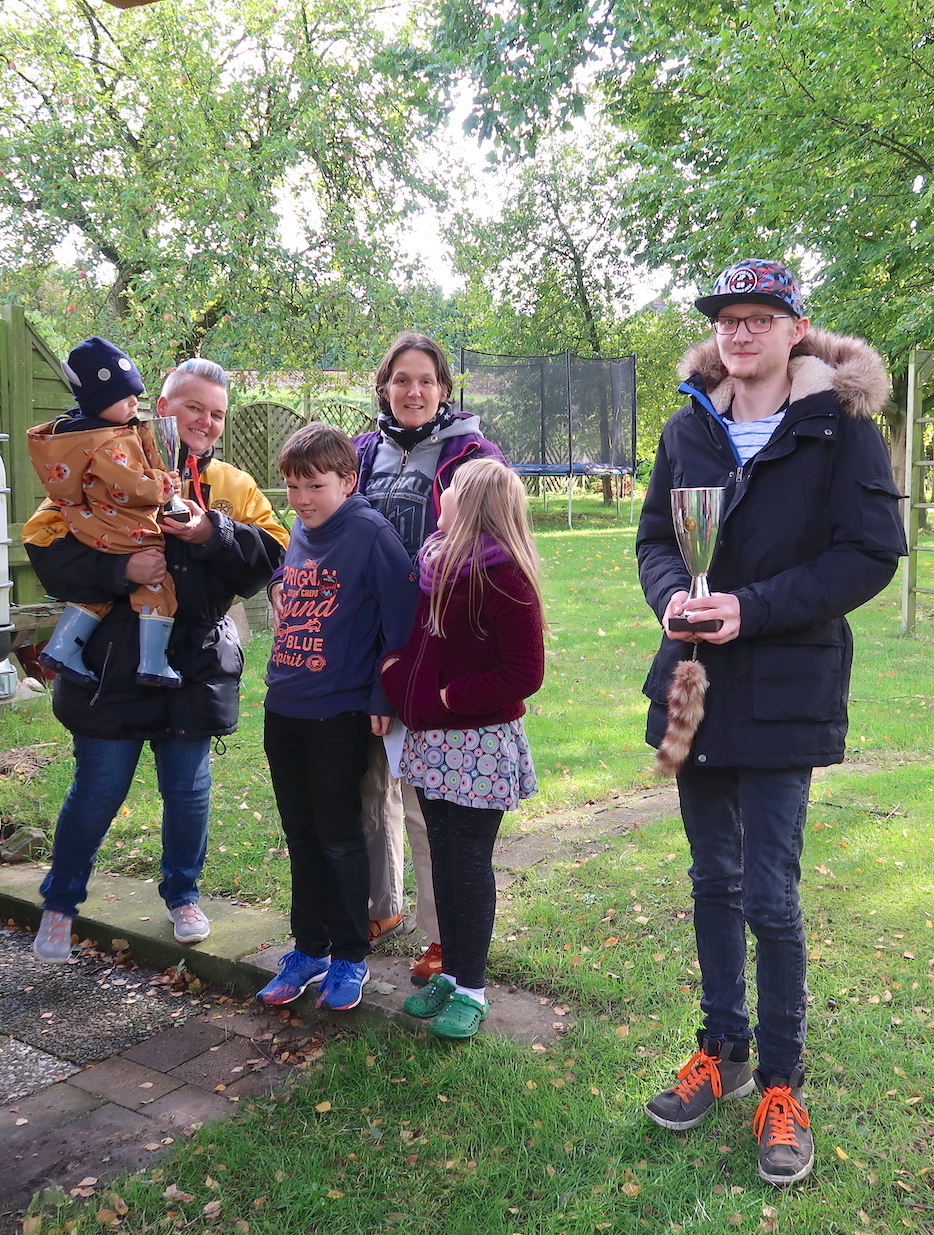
(699, 1068)
(60, 929)
(780, 1111)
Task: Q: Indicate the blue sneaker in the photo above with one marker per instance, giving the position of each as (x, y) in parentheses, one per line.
(296, 971)
(343, 986)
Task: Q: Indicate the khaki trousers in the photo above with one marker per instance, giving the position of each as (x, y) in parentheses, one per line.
(387, 801)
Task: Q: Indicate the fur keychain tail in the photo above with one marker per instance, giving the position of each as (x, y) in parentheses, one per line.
(685, 713)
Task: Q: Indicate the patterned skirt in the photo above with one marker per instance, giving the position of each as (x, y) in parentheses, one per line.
(490, 767)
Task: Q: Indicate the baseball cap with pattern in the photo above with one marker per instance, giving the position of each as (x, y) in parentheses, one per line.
(754, 281)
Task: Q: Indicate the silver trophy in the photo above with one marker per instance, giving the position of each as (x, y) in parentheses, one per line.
(165, 435)
(695, 514)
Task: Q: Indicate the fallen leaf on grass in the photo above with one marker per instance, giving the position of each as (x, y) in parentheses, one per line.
(173, 1193)
(630, 1189)
(323, 1107)
(211, 1183)
(334, 1195)
(622, 1031)
(841, 1154)
(381, 988)
(212, 1209)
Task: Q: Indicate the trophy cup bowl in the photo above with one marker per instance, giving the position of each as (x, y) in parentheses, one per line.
(165, 434)
(695, 514)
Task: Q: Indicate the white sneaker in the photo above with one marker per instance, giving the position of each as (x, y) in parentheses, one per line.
(191, 926)
(53, 939)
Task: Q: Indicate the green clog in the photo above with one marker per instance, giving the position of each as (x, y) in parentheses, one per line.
(460, 1017)
(430, 999)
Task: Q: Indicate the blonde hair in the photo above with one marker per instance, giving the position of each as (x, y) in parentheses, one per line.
(491, 502)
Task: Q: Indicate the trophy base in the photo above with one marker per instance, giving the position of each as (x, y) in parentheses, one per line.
(682, 624)
(179, 516)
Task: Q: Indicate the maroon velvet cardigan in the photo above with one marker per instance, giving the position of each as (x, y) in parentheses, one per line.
(487, 675)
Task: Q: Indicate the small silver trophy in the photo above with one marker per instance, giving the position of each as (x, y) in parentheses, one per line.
(165, 435)
(695, 514)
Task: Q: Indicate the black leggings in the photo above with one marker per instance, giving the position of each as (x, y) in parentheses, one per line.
(461, 840)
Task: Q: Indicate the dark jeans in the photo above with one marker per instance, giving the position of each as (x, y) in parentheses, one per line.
(316, 768)
(461, 840)
(746, 831)
(104, 769)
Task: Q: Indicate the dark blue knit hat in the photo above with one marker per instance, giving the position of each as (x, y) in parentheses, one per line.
(100, 375)
(754, 281)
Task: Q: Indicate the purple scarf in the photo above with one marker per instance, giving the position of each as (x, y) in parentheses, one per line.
(431, 555)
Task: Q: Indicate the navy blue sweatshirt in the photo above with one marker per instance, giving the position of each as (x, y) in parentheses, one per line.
(348, 592)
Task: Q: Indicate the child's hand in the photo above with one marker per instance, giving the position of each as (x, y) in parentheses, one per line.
(380, 725)
(275, 599)
(176, 482)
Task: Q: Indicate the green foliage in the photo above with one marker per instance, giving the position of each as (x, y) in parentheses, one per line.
(548, 273)
(762, 128)
(163, 145)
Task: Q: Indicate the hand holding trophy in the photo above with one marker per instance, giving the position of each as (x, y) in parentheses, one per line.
(165, 438)
(695, 514)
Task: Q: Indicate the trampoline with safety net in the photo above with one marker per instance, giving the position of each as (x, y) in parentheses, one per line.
(556, 416)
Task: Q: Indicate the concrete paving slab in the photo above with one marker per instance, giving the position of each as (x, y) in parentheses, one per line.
(513, 1013)
(119, 907)
(258, 1081)
(175, 1046)
(33, 1118)
(71, 1152)
(128, 1084)
(187, 1105)
(220, 1065)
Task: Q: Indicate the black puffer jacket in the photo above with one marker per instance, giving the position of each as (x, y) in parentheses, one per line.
(811, 530)
(236, 561)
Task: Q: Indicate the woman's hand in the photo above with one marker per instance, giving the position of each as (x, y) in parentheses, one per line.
(198, 529)
(146, 567)
(380, 725)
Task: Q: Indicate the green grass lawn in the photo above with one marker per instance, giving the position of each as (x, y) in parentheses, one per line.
(395, 1133)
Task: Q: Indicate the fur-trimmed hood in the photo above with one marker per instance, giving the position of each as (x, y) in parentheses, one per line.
(849, 367)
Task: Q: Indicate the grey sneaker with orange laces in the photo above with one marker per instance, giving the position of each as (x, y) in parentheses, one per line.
(783, 1129)
(718, 1070)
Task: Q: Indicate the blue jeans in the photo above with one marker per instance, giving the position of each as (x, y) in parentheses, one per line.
(746, 831)
(104, 769)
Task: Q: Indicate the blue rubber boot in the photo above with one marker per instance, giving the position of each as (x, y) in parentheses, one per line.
(63, 651)
(154, 634)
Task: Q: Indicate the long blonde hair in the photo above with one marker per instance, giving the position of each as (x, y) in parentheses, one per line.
(491, 503)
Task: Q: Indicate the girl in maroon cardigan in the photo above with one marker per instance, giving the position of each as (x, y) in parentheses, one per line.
(475, 653)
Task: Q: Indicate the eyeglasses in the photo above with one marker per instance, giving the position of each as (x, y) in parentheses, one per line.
(761, 323)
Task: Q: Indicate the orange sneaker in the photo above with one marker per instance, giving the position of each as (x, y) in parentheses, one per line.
(382, 929)
(783, 1130)
(428, 965)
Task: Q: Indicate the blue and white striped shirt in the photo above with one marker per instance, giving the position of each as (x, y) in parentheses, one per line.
(749, 436)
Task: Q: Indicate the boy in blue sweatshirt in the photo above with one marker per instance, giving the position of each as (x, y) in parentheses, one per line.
(349, 592)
